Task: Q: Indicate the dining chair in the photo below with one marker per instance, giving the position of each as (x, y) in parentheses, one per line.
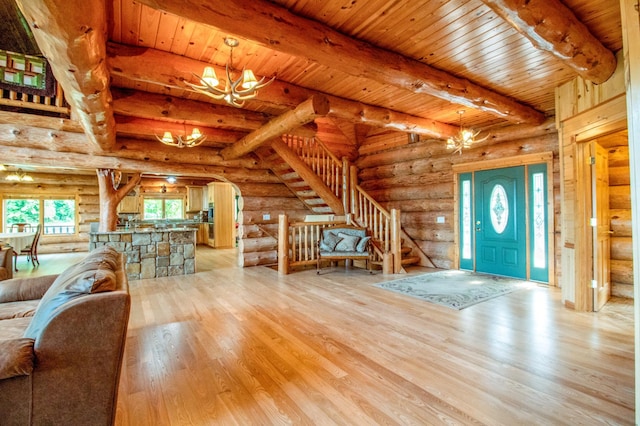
(20, 227)
(30, 250)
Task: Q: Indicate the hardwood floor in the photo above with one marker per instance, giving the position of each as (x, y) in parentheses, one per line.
(247, 346)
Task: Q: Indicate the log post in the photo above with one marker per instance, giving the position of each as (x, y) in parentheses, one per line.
(355, 210)
(110, 197)
(396, 242)
(73, 39)
(315, 106)
(283, 244)
(346, 182)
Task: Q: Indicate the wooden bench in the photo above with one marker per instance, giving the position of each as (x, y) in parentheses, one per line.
(344, 243)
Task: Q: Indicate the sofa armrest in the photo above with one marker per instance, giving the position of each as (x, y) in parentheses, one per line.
(16, 357)
(18, 289)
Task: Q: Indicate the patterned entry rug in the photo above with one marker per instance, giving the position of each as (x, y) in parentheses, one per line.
(455, 289)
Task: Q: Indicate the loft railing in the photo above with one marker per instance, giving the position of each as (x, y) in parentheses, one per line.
(54, 103)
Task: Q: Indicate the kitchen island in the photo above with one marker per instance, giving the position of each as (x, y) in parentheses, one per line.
(152, 252)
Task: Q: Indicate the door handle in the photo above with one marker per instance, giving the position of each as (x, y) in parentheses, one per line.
(478, 229)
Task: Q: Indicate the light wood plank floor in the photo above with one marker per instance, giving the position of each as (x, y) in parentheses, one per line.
(249, 347)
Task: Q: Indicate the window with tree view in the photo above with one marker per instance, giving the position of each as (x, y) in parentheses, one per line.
(163, 208)
(57, 216)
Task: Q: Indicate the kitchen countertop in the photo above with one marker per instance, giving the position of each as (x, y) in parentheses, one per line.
(147, 229)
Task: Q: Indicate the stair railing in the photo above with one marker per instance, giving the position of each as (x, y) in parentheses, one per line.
(384, 226)
(326, 165)
(297, 242)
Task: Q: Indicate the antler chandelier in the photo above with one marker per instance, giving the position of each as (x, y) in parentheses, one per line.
(464, 139)
(186, 141)
(232, 94)
(19, 176)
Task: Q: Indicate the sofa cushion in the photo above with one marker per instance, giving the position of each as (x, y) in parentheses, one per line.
(362, 244)
(25, 308)
(31, 288)
(329, 241)
(94, 274)
(14, 328)
(16, 358)
(347, 242)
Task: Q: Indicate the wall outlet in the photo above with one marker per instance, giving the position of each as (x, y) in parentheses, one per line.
(266, 216)
(440, 219)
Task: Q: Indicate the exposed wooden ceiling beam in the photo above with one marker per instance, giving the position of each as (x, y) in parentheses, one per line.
(143, 128)
(43, 157)
(156, 67)
(552, 27)
(15, 136)
(72, 35)
(316, 106)
(276, 28)
(168, 108)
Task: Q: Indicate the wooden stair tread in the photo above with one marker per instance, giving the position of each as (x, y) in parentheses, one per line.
(410, 260)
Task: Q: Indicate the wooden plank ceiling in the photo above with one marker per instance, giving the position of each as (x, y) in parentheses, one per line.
(465, 39)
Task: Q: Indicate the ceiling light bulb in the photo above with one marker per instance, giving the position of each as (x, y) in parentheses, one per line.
(167, 137)
(195, 133)
(249, 80)
(13, 177)
(209, 76)
(26, 178)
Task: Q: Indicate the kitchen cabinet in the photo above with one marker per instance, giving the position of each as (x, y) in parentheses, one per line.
(205, 198)
(203, 234)
(224, 230)
(129, 204)
(194, 198)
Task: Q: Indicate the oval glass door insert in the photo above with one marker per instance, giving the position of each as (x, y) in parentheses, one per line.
(499, 208)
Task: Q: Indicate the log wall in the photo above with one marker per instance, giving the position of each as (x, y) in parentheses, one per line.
(260, 205)
(418, 179)
(620, 208)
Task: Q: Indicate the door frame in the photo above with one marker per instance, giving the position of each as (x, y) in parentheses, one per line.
(499, 163)
(576, 233)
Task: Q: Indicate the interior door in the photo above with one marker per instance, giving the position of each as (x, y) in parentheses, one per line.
(500, 222)
(602, 228)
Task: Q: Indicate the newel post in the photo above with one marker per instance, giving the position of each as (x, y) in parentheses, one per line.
(396, 242)
(353, 175)
(346, 185)
(283, 244)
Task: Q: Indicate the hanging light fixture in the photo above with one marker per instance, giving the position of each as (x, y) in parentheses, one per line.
(232, 94)
(187, 141)
(464, 139)
(19, 176)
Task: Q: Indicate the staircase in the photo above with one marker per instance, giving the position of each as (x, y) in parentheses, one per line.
(327, 185)
(294, 182)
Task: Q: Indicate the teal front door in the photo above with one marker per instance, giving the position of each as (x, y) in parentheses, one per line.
(500, 222)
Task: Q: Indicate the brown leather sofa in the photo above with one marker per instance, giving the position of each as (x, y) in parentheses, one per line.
(6, 268)
(62, 339)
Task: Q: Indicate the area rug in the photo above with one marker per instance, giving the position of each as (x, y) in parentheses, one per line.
(454, 289)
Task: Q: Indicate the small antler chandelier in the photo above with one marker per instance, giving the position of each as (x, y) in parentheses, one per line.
(19, 176)
(186, 141)
(464, 139)
(232, 94)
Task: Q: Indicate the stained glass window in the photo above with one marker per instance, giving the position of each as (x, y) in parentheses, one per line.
(499, 208)
(466, 219)
(539, 240)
